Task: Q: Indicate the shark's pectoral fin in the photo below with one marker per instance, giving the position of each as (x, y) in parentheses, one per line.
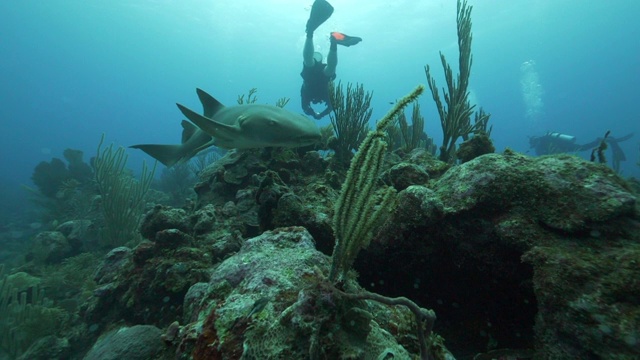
(223, 132)
(169, 155)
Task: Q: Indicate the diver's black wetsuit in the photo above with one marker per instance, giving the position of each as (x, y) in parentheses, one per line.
(315, 89)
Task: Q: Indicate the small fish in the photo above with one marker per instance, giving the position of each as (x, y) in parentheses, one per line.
(256, 308)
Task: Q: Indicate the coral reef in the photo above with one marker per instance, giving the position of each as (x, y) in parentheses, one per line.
(177, 181)
(300, 317)
(411, 135)
(358, 207)
(455, 118)
(49, 177)
(26, 315)
(478, 144)
(520, 257)
(521, 251)
(139, 342)
(349, 118)
(517, 255)
(122, 197)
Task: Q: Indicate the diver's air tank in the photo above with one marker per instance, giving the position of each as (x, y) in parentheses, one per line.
(562, 137)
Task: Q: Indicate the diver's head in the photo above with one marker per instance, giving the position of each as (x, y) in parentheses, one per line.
(317, 57)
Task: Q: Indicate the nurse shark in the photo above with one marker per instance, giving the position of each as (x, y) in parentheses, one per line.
(244, 126)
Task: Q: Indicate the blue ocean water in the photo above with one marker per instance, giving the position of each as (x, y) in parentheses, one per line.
(72, 70)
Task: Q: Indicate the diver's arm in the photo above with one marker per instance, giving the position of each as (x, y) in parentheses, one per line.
(324, 112)
(309, 111)
(306, 104)
(306, 107)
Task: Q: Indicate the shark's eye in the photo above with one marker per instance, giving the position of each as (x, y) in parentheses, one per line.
(273, 122)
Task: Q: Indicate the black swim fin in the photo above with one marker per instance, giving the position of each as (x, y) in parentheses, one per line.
(344, 39)
(320, 12)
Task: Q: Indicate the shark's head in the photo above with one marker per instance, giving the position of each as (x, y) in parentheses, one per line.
(273, 126)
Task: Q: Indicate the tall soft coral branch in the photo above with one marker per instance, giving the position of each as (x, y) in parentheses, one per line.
(122, 196)
(455, 117)
(350, 117)
(359, 207)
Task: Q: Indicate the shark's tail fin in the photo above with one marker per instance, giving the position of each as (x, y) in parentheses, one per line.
(169, 155)
(210, 105)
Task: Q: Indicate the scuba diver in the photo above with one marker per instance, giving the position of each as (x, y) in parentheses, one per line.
(556, 143)
(316, 75)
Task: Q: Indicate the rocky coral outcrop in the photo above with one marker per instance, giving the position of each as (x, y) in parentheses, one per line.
(258, 190)
(50, 247)
(271, 301)
(139, 342)
(537, 255)
(49, 176)
(504, 242)
(147, 284)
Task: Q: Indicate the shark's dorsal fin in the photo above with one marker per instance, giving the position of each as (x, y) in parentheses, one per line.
(218, 130)
(188, 129)
(210, 105)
